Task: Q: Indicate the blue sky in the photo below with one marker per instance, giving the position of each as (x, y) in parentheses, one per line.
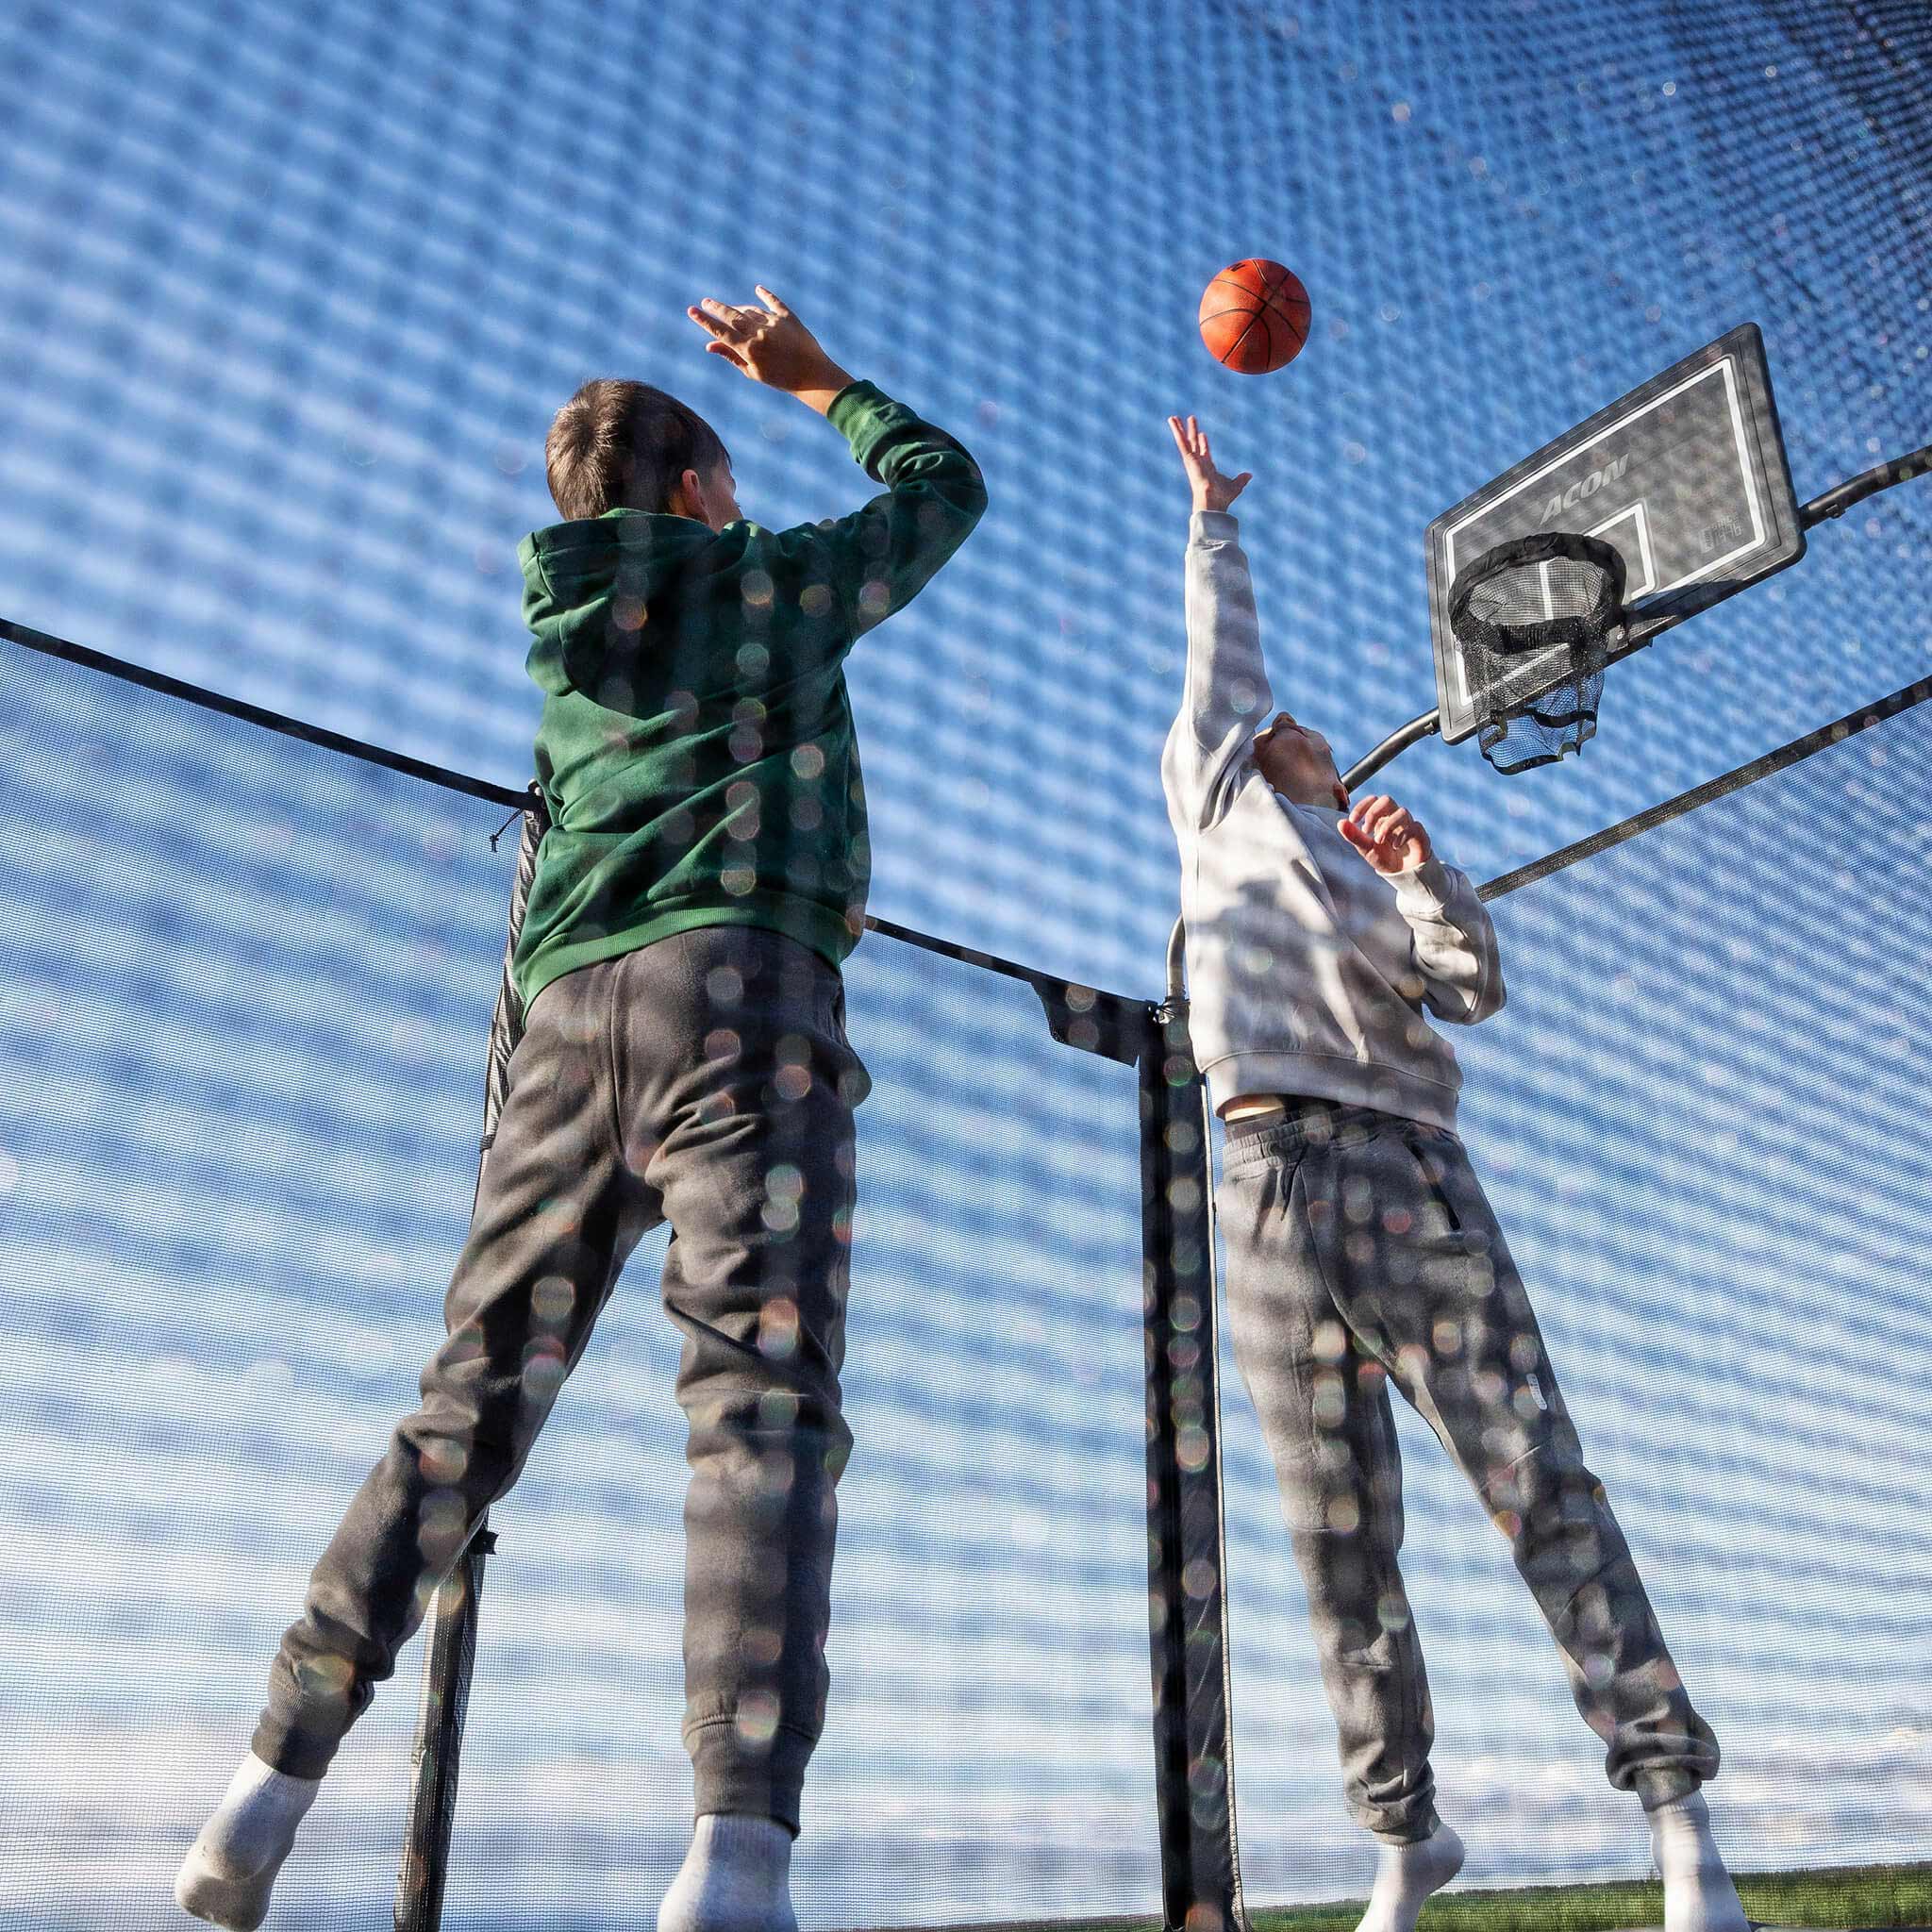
(295, 293)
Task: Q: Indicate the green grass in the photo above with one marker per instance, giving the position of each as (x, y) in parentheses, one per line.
(1851, 1896)
(1871, 1898)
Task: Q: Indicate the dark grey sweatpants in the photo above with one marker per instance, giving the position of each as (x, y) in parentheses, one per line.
(1361, 1250)
(705, 1079)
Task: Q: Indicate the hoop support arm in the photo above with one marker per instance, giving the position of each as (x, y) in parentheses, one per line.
(1413, 733)
(1835, 503)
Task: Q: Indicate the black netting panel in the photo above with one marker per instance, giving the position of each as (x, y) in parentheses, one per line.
(293, 293)
(296, 293)
(246, 993)
(243, 1007)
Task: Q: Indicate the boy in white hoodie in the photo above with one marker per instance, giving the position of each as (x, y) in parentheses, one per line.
(1361, 1250)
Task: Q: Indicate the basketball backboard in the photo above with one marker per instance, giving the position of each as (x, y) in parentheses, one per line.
(1686, 475)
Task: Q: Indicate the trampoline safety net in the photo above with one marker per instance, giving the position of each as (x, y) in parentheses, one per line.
(293, 293)
(240, 1053)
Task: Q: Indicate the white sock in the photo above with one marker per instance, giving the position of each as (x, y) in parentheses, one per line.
(1698, 1893)
(1405, 1877)
(228, 1874)
(734, 1878)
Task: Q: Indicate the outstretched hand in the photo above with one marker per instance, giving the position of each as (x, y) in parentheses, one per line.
(1385, 834)
(770, 345)
(1211, 490)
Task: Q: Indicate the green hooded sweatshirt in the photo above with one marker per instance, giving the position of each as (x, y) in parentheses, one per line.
(697, 749)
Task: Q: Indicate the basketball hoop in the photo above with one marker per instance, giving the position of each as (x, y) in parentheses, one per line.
(1537, 619)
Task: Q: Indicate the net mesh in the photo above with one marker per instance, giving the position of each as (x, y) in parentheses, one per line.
(296, 295)
(294, 292)
(237, 1151)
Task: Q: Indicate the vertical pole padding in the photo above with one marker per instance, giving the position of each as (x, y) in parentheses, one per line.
(1200, 1867)
(450, 1640)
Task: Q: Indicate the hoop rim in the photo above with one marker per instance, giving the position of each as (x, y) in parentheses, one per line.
(1547, 546)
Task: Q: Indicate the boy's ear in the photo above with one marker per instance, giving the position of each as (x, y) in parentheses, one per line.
(686, 498)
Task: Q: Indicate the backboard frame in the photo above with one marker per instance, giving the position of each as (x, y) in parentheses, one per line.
(1574, 480)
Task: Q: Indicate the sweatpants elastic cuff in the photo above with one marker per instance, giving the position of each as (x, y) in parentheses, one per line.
(1413, 1833)
(1664, 1786)
(754, 1780)
(295, 1753)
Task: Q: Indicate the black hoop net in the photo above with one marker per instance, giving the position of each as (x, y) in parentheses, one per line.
(1535, 619)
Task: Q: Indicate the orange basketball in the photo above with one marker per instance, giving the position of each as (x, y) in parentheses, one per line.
(1254, 316)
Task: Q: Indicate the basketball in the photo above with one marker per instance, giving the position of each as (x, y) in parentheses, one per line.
(1254, 316)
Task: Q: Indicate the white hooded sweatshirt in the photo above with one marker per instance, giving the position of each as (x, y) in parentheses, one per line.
(1307, 970)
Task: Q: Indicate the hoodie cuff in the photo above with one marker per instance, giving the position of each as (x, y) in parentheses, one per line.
(1428, 888)
(1214, 526)
(865, 416)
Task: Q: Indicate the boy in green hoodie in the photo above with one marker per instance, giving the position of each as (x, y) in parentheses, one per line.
(684, 1059)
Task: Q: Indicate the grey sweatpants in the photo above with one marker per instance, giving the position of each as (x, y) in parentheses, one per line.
(1361, 1250)
(705, 1079)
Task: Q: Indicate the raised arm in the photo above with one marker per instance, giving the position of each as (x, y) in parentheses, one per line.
(1455, 945)
(884, 554)
(889, 549)
(1224, 695)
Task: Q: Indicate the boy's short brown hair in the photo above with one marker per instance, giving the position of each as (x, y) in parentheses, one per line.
(625, 445)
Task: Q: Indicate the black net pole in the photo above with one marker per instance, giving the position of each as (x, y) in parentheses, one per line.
(451, 1636)
(1200, 1870)
(1186, 1604)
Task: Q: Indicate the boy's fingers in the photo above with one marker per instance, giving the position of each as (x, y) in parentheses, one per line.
(712, 324)
(729, 319)
(769, 300)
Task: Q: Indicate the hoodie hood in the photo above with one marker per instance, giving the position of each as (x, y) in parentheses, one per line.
(592, 584)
